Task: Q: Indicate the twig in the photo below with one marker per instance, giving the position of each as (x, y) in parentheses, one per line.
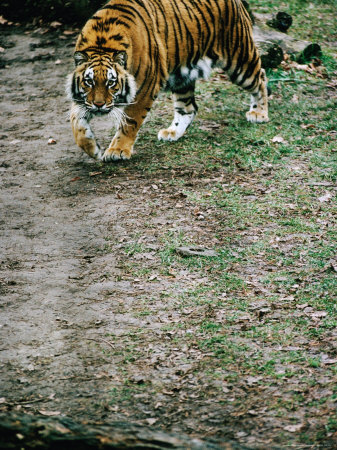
(291, 80)
(27, 402)
(102, 340)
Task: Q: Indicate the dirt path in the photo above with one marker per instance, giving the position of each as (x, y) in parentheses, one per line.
(49, 227)
(96, 324)
(64, 302)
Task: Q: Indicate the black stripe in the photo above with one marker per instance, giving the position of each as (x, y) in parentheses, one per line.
(116, 37)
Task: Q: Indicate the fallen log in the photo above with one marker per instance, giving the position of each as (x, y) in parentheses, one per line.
(27, 431)
(281, 21)
(273, 44)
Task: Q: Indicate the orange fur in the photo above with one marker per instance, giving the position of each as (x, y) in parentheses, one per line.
(141, 46)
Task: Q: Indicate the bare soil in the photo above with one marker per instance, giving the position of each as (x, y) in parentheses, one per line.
(61, 286)
(71, 308)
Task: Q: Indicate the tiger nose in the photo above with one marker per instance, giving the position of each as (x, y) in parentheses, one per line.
(99, 104)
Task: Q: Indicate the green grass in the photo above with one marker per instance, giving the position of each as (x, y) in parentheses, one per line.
(263, 311)
(312, 20)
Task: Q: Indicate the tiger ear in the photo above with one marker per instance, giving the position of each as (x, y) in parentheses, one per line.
(80, 58)
(121, 58)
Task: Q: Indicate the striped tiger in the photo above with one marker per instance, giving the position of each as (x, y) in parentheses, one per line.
(130, 49)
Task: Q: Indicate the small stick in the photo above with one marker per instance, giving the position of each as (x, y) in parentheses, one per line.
(101, 340)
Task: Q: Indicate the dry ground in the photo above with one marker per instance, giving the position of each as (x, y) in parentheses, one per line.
(96, 323)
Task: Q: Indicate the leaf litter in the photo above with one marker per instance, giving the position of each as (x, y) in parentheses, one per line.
(121, 326)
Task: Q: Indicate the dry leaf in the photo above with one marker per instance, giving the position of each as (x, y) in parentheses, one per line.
(93, 174)
(151, 421)
(195, 251)
(325, 198)
(294, 99)
(279, 140)
(329, 361)
(319, 314)
(253, 380)
(56, 24)
(49, 413)
(294, 428)
(304, 305)
(61, 429)
(310, 125)
(333, 264)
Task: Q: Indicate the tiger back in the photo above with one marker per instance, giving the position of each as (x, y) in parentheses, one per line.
(130, 49)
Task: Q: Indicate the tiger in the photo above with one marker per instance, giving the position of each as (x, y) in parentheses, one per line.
(131, 49)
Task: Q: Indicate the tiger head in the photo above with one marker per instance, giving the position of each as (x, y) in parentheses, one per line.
(101, 82)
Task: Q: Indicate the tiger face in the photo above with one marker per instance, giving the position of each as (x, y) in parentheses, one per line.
(101, 83)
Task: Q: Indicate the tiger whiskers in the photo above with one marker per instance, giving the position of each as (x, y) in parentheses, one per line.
(118, 116)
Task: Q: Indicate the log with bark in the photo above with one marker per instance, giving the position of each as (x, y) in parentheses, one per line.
(25, 431)
(273, 44)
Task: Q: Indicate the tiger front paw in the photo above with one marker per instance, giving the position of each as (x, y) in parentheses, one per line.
(257, 116)
(116, 153)
(168, 135)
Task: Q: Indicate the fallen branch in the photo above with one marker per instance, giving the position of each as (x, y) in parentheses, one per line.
(39, 432)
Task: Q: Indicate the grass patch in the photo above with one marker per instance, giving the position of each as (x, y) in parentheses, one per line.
(259, 318)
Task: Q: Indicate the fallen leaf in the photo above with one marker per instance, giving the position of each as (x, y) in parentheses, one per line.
(294, 98)
(93, 174)
(329, 361)
(278, 139)
(69, 32)
(151, 421)
(195, 251)
(55, 24)
(325, 198)
(61, 429)
(294, 428)
(49, 413)
(253, 380)
(304, 305)
(319, 314)
(333, 264)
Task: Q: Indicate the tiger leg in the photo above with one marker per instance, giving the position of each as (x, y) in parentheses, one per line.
(185, 110)
(258, 111)
(83, 134)
(121, 146)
